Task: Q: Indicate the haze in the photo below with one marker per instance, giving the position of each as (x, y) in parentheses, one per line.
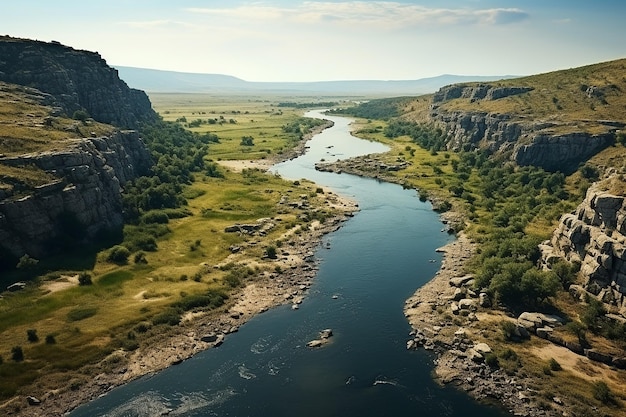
(338, 40)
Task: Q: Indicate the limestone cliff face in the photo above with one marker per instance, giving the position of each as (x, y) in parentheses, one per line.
(85, 200)
(77, 79)
(595, 236)
(527, 142)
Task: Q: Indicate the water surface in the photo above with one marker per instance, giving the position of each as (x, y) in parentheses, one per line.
(367, 270)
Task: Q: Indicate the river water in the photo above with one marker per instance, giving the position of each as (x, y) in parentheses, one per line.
(368, 268)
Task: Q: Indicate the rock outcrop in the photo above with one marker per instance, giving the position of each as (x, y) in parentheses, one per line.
(84, 201)
(527, 142)
(78, 80)
(477, 92)
(594, 235)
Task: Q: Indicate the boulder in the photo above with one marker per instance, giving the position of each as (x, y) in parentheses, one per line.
(209, 338)
(454, 308)
(484, 300)
(458, 294)
(474, 355)
(33, 400)
(543, 332)
(326, 333)
(466, 304)
(461, 281)
(482, 348)
(598, 356)
(575, 347)
(619, 363)
(521, 331)
(315, 343)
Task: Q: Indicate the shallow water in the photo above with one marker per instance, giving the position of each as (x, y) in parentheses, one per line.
(368, 268)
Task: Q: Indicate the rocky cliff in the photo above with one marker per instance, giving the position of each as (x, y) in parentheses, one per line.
(79, 80)
(594, 235)
(59, 188)
(83, 201)
(552, 144)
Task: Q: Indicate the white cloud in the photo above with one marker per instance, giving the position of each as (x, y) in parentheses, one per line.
(389, 15)
(153, 24)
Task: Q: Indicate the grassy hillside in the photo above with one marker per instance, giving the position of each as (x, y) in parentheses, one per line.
(582, 98)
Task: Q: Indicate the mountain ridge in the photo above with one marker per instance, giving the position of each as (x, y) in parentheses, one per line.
(163, 81)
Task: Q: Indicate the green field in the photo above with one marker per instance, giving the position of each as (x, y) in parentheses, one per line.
(79, 324)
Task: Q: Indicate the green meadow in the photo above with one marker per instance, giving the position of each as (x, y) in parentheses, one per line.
(61, 327)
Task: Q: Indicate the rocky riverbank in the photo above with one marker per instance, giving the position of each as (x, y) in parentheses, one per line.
(459, 325)
(198, 331)
(448, 318)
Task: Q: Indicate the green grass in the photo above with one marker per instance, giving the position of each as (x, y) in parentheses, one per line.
(90, 321)
(559, 97)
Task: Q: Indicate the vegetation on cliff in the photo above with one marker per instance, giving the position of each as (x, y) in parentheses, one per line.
(508, 210)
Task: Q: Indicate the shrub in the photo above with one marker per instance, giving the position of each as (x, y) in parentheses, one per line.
(170, 317)
(271, 252)
(155, 216)
(142, 327)
(211, 299)
(492, 360)
(80, 115)
(81, 313)
(84, 279)
(17, 354)
(118, 254)
(31, 334)
(50, 340)
(554, 365)
(508, 329)
(140, 258)
(602, 393)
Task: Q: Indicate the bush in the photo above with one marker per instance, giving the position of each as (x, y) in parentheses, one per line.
(492, 360)
(31, 334)
(602, 393)
(155, 216)
(81, 313)
(508, 329)
(142, 327)
(84, 279)
(271, 252)
(140, 258)
(17, 354)
(80, 115)
(50, 340)
(170, 317)
(118, 254)
(554, 365)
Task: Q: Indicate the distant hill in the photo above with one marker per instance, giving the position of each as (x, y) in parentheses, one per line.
(158, 81)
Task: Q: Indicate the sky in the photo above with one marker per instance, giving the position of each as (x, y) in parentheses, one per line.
(331, 40)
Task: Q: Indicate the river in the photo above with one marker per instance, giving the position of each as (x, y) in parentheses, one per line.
(368, 268)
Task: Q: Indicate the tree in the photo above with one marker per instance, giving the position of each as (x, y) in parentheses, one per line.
(118, 254)
(32, 335)
(84, 279)
(271, 252)
(247, 141)
(17, 354)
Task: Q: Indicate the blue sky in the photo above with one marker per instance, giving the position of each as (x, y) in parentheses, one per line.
(331, 40)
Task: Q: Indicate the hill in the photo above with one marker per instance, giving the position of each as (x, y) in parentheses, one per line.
(555, 120)
(63, 155)
(158, 81)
